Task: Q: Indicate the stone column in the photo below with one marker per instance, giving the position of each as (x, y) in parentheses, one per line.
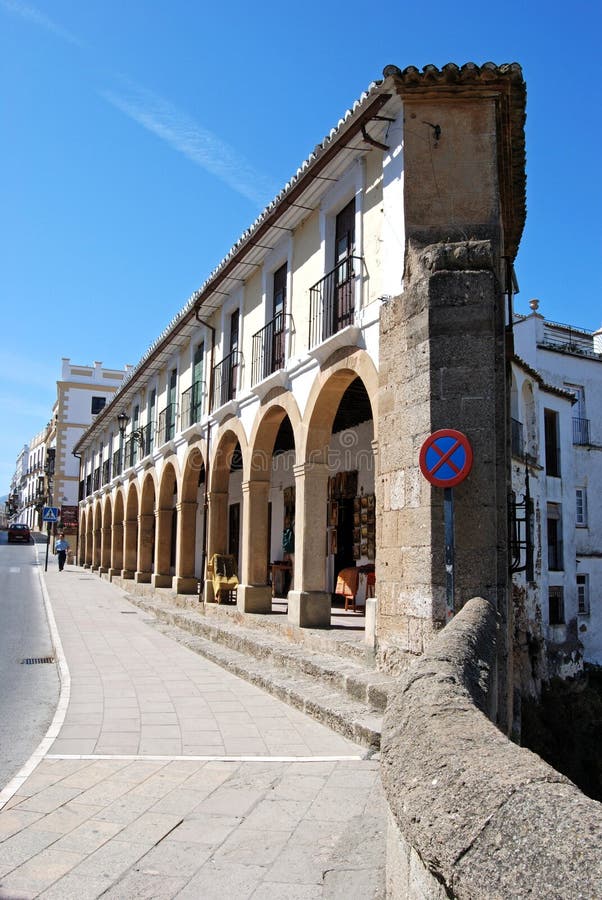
(130, 548)
(146, 542)
(96, 549)
(105, 549)
(116, 550)
(309, 603)
(254, 594)
(217, 532)
(161, 576)
(442, 365)
(184, 581)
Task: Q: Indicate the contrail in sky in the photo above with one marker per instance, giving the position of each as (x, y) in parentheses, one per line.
(35, 17)
(165, 121)
(198, 144)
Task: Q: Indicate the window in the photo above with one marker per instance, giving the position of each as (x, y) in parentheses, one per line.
(554, 517)
(279, 312)
(552, 443)
(581, 508)
(583, 595)
(98, 404)
(197, 383)
(556, 605)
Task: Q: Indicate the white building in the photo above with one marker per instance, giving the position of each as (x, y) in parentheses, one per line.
(557, 428)
(82, 392)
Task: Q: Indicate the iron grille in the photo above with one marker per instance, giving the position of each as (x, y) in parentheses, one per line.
(192, 404)
(269, 349)
(332, 301)
(581, 431)
(225, 377)
(167, 424)
(517, 438)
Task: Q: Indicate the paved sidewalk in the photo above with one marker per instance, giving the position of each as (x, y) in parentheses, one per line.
(170, 777)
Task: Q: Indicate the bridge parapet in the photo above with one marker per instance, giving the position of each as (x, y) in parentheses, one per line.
(472, 815)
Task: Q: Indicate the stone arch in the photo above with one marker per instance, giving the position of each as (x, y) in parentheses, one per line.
(190, 542)
(325, 395)
(228, 436)
(130, 531)
(323, 546)
(165, 549)
(221, 519)
(118, 533)
(265, 429)
(278, 419)
(97, 535)
(105, 540)
(146, 529)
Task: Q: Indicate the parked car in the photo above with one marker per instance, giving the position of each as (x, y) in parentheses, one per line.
(19, 532)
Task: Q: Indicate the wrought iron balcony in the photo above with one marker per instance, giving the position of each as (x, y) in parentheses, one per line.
(192, 404)
(116, 463)
(106, 471)
(581, 432)
(332, 301)
(88, 485)
(517, 438)
(167, 424)
(225, 378)
(96, 479)
(269, 349)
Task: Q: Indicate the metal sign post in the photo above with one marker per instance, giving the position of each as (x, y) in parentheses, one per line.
(50, 514)
(445, 460)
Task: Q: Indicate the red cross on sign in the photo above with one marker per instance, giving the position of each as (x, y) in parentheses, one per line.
(446, 458)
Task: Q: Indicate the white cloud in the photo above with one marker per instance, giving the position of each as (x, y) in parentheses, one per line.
(198, 144)
(35, 17)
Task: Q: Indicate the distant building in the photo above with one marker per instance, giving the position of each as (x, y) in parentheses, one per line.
(46, 472)
(556, 410)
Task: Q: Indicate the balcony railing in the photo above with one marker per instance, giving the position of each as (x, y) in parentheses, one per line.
(88, 485)
(225, 378)
(269, 349)
(332, 301)
(96, 479)
(565, 337)
(581, 431)
(167, 424)
(106, 471)
(192, 404)
(517, 438)
(116, 463)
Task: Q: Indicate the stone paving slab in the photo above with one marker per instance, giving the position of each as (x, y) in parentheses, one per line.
(280, 805)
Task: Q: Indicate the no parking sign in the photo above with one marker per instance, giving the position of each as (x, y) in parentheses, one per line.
(445, 460)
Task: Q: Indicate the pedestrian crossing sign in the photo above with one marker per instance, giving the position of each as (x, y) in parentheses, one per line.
(50, 514)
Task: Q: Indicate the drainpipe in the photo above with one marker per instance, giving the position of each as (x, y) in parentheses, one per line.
(78, 456)
(206, 500)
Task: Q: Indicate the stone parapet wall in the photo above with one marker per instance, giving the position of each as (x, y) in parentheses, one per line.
(472, 815)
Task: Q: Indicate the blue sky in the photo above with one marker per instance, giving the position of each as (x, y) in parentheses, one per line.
(139, 139)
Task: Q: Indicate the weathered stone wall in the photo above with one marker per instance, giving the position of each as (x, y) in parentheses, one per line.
(441, 366)
(471, 814)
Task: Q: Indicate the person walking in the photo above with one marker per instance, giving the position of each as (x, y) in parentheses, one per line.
(60, 548)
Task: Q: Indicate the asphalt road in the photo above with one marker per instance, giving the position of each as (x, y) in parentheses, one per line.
(28, 693)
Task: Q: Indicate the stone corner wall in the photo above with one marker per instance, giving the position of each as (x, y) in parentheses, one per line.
(471, 814)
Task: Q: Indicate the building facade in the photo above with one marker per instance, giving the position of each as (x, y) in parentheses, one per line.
(366, 307)
(557, 438)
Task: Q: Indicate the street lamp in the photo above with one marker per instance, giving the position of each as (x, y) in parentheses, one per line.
(136, 435)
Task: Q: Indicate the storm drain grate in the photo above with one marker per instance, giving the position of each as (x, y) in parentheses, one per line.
(128, 612)
(34, 660)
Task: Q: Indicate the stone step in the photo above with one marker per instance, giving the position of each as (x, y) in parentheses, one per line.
(344, 695)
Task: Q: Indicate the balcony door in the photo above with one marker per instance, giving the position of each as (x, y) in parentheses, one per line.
(278, 318)
(233, 370)
(343, 305)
